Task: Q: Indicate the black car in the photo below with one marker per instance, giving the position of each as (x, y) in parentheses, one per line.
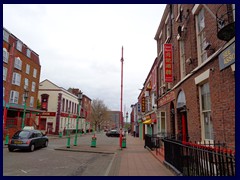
(28, 140)
(113, 133)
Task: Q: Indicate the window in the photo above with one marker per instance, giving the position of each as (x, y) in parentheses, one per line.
(25, 83)
(63, 104)
(161, 124)
(5, 35)
(207, 125)
(34, 72)
(3, 91)
(28, 53)
(14, 95)
(4, 73)
(18, 63)
(33, 86)
(5, 55)
(66, 110)
(180, 12)
(182, 59)
(31, 101)
(27, 68)
(19, 45)
(167, 28)
(16, 79)
(161, 80)
(201, 37)
(160, 44)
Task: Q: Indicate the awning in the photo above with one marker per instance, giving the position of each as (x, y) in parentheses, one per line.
(18, 107)
(149, 121)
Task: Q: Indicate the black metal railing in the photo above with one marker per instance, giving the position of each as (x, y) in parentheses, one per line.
(193, 159)
(153, 141)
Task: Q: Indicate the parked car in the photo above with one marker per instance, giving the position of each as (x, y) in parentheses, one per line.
(113, 133)
(27, 140)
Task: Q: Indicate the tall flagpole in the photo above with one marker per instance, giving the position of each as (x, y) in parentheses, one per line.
(121, 114)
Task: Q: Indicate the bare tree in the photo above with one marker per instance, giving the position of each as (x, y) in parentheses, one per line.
(99, 114)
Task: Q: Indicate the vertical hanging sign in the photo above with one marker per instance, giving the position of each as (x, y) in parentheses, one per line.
(168, 62)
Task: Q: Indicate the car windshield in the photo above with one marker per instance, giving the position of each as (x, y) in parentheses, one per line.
(22, 134)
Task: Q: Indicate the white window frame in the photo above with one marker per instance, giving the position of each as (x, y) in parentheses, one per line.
(167, 28)
(16, 79)
(182, 59)
(162, 119)
(31, 101)
(14, 96)
(26, 83)
(203, 117)
(33, 86)
(3, 92)
(28, 53)
(34, 73)
(19, 46)
(4, 73)
(18, 63)
(27, 68)
(201, 79)
(199, 12)
(162, 84)
(5, 55)
(5, 35)
(160, 44)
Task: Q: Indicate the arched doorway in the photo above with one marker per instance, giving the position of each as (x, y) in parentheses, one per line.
(182, 117)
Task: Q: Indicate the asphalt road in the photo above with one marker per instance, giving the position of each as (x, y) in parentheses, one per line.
(50, 162)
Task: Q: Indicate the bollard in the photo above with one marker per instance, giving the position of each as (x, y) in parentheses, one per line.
(94, 141)
(60, 134)
(124, 142)
(6, 139)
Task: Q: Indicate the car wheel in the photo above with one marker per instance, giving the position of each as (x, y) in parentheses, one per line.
(46, 144)
(32, 147)
(10, 149)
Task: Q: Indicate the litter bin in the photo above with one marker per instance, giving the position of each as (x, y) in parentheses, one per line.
(94, 141)
(124, 142)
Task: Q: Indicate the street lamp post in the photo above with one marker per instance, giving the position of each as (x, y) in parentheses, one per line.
(68, 133)
(121, 115)
(127, 121)
(79, 114)
(25, 105)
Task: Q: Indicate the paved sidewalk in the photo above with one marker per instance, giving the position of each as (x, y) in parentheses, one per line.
(138, 161)
(134, 160)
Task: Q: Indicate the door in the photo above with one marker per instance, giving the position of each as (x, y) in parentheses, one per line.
(184, 127)
(42, 124)
(49, 127)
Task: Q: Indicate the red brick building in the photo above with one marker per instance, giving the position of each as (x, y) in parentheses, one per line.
(195, 86)
(21, 73)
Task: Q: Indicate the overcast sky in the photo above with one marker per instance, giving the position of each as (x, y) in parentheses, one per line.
(80, 45)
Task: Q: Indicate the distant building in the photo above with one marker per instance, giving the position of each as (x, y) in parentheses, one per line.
(86, 106)
(21, 74)
(61, 109)
(114, 120)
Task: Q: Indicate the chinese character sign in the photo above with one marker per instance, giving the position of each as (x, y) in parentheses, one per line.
(168, 62)
(143, 104)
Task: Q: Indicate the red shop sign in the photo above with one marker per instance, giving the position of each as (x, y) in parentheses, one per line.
(168, 62)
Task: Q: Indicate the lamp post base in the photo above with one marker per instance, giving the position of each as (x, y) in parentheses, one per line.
(75, 140)
(60, 134)
(68, 142)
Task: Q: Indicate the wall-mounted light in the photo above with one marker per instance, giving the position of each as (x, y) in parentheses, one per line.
(189, 61)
